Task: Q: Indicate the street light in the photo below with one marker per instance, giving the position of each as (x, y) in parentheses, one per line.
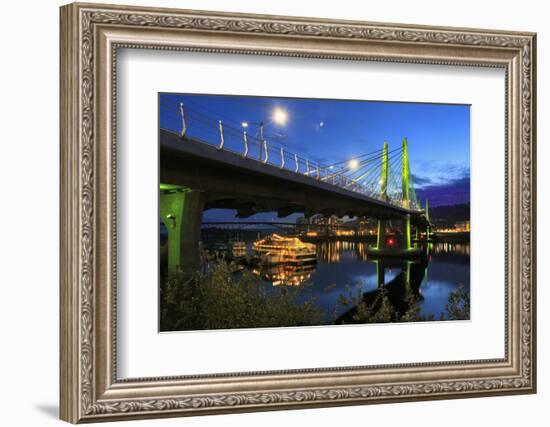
(280, 116)
(353, 164)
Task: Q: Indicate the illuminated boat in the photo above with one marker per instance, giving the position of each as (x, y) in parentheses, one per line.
(276, 249)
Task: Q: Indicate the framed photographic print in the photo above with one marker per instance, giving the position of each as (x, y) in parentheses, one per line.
(264, 212)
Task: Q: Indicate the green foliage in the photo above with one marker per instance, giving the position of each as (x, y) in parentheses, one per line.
(378, 311)
(223, 297)
(413, 311)
(220, 299)
(381, 310)
(458, 307)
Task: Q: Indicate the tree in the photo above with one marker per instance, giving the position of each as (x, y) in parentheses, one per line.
(458, 307)
(221, 298)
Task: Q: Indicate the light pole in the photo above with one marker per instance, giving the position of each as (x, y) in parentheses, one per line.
(278, 116)
(245, 139)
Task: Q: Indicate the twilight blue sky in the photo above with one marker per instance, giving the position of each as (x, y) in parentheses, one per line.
(329, 131)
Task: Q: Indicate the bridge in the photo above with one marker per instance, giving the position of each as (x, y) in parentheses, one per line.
(207, 163)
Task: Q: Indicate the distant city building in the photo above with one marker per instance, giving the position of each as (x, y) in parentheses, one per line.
(319, 219)
(367, 226)
(334, 225)
(457, 227)
(463, 226)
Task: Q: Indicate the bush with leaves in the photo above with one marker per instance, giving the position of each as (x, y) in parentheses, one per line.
(220, 298)
(381, 310)
(458, 307)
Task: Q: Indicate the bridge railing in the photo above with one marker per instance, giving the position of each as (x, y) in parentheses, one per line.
(195, 125)
(243, 142)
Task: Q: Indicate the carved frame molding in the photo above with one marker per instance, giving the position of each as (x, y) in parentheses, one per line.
(90, 37)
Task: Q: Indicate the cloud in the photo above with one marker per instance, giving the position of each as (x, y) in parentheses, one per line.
(452, 192)
(421, 180)
(439, 172)
(445, 183)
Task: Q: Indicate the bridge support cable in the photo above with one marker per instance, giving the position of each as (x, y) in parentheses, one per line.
(414, 200)
(367, 178)
(364, 172)
(361, 165)
(364, 169)
(396, 192)
(373, 181)
(372, 155)
(366, 161)
(381, 238)
(361, 174)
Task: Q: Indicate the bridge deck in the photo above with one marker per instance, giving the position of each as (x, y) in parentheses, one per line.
(232, 181)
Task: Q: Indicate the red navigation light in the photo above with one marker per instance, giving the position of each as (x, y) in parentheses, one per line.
(390, 242)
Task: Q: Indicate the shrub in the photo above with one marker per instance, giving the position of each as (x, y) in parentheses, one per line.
(220, 298)
(458, 307)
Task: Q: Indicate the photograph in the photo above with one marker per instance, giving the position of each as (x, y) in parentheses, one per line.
(294, 212)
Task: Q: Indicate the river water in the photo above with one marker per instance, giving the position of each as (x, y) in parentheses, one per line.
(343, 267)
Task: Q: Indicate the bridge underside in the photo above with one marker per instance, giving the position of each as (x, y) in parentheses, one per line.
(230, 181)
(195, 177)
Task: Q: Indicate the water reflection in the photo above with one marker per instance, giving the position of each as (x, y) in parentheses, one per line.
(455, 248)
(342, 266)
(329, 269)
(331, 251)
(361, 250)
(287, 274)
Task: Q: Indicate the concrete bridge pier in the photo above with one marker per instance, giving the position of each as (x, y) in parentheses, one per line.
(181, 212)
(407, 232)
(381, 242)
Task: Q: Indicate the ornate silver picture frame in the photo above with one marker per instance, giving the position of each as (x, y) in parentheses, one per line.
(91, 35)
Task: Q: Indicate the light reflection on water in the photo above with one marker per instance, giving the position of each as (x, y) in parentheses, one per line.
(343, 266)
